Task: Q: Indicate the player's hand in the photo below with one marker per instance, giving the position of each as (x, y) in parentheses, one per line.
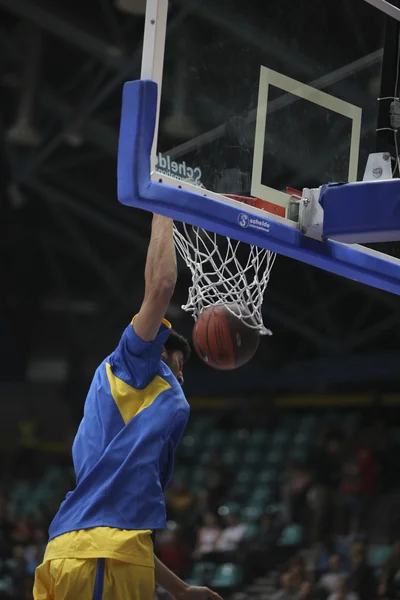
(198, 593)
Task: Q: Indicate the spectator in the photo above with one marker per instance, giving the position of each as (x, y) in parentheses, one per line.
(201, 506)
(179, 499)
(342, 591)
(294, 492)
(327, 465)
(174, 553)
(207, 536)
(330, 580)
(260, 550)
(368, 470)
(218, 480)
(291, 589)
(361, 578)
(349, 489)
(17, 569)
(389, 586)
(231, 536)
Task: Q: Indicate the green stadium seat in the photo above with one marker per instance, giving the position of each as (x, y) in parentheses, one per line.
(202, 568)
(246, 476)
(302, 438)
(377, 555)
(261, 494)
(231, 457)
(214, 440)
(292, 535)
(274, 508)
(267, 476)
(252, 457)
(181, 472)
(280, 437)
(229, 507)
(194, 581)
(205, 458)
(275, 457)
(258, 437)
(253, 511)
(241, 490)
(227, 576)
(252, 530)
(238, 437)
(308, 423)
(298, 454)
(198, 475)
(190, 440)
(54, 476)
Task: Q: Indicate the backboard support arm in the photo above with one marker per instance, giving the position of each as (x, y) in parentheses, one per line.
(155, 32)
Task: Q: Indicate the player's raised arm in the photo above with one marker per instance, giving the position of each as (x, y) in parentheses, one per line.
(160, 279)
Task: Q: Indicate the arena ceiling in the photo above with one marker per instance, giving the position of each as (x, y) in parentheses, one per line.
(73, 257)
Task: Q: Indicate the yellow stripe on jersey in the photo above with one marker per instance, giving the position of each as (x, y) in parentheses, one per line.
(130, 401)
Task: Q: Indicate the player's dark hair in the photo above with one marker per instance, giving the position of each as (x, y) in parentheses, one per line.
(176, 342)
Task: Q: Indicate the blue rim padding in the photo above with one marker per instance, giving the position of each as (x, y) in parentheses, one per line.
(360, 212)
(135, 188)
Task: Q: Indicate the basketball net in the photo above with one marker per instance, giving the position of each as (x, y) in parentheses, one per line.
(224, 272)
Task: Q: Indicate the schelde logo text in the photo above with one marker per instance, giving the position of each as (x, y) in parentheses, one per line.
(245, 221)
(178, 170)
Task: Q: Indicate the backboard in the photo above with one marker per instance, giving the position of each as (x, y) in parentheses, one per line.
(254, 98)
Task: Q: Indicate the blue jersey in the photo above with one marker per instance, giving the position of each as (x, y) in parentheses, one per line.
(134, 416)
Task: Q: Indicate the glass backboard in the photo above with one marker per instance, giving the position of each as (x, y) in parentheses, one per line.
(261, 96)
(257, 99)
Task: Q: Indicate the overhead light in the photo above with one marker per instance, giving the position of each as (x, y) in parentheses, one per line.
(23, 133)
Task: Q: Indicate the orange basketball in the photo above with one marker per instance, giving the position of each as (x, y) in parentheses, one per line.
(222, 340)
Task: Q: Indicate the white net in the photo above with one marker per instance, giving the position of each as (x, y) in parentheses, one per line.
(226, 272)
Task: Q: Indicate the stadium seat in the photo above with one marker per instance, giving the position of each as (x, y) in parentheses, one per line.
(227, 576)
(54, 476)
(377, 555)
(200, 568)
(275, 457)
(308, 423)
(240, 490)
(258, 437)
(205, 458)
(253, 511)
(253, 457)
(298, 454)
(190, 440)
(214, 440)
(197, 475)
(267, 476)
(229, 507)
(302, 438)
(231, 456)
(292, 535)
(261, 494)
(280, 437)
(251, 531)
(181, 472)
(246, 476)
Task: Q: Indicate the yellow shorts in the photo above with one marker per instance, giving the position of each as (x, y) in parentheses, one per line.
(93, 579)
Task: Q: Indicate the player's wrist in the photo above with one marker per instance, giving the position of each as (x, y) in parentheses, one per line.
(178, 589)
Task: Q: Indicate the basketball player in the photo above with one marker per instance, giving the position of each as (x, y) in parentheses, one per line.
(100, 544)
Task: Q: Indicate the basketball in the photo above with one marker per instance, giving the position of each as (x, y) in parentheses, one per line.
(223, 340)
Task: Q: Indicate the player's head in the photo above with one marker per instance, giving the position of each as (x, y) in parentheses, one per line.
(176, 353)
